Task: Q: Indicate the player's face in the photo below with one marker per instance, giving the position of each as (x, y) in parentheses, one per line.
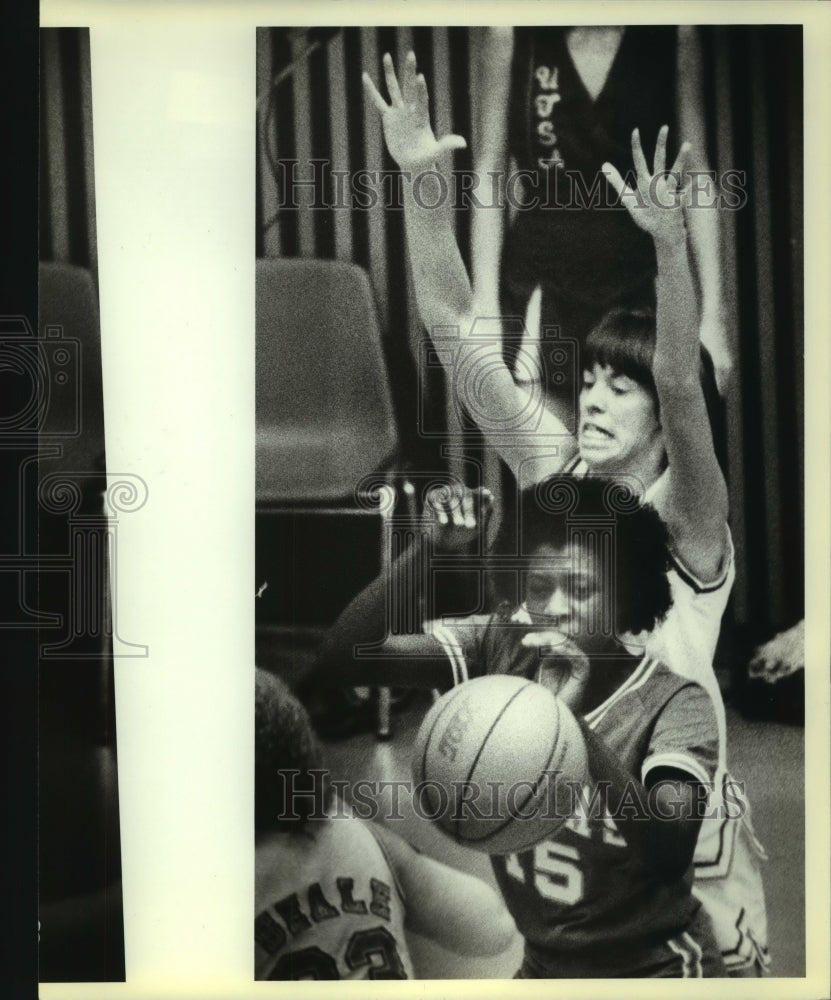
(566, 591)
(618, 422)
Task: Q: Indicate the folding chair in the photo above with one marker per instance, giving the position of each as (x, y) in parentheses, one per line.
(325, 419)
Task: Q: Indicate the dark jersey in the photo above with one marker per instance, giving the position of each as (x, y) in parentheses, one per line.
(555, 122)
(585, 903)
(563, 138)
(570, 238)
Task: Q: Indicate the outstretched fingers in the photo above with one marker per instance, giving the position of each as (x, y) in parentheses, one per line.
(371, 92)
(637, 156)
(392, 81)
(408, 79)
(612, 175)
(660, 159)
(680, 165)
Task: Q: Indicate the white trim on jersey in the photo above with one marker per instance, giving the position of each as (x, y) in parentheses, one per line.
(639, 676)
(693, 581)
(452, 648)
(679, 761)
(748, 952)
(689, 950)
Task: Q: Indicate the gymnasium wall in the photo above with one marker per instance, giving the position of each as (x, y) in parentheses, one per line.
(311, 106)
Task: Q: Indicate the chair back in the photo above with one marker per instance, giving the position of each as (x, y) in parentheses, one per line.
(324, 410)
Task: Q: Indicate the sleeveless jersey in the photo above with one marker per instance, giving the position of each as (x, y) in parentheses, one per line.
(328, 906)
(686, 639)
(584, 902)
(563, 137)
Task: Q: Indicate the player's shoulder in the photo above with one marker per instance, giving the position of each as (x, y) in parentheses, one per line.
(658, 685)
(716, 585)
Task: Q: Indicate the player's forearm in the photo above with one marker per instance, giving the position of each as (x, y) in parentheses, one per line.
(494, 87)
(486, 251)
(659, 828)
(705, 244)
(676, 358)
(405, 661)
(469, 343)
(415, 661)
(700, 494)
(442, 286)
(458, 911)
(475, 921)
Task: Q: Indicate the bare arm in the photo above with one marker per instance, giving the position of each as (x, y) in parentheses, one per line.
(454, 518)
(703, 222)
(513, 419)
(694, 503)
(660, 816)
(660, 819)
(491, 156)
(409, 661)
(458, 911)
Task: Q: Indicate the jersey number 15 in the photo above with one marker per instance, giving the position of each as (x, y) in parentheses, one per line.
(556, 874)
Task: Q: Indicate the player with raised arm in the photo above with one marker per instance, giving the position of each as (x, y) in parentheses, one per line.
(642, 413)
(609, 894)
(556, 102)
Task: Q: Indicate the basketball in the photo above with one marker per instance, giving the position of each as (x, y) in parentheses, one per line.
(493, 762)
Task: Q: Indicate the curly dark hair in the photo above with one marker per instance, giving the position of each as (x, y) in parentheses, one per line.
(624, 340)
(288, 795)
(549, 512)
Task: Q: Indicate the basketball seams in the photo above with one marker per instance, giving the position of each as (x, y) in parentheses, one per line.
(429, 737)
(494, 732)
(482, 746)
(492, 833)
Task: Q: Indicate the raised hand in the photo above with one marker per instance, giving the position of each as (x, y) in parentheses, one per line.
(457, 516)
(656, 206)
(406, 120)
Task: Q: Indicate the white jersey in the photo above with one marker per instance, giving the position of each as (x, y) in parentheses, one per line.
(686, 639)
(727, 857)
(328, 906)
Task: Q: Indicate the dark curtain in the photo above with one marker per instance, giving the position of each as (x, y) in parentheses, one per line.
(311, 106)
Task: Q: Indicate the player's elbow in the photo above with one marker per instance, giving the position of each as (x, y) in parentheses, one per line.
(668, 852)
(673, 829)
(721, 498)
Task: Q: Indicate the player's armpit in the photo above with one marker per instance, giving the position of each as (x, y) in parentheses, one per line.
(458, 911)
